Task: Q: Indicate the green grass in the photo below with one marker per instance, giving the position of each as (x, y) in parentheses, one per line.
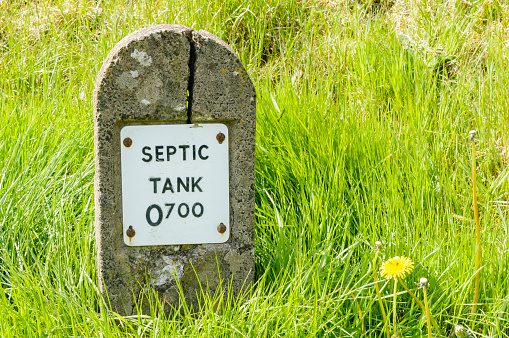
(363, 114)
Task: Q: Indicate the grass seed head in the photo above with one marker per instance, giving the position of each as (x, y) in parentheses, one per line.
(472, 134)
(459, 331)
(423, 283)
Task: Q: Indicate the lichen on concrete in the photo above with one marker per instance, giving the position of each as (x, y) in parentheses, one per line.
(142, 57)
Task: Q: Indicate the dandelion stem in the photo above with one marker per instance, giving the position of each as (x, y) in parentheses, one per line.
(428, 316)
(477, 231)
(394, 306)
(377, 289)
(435, 325)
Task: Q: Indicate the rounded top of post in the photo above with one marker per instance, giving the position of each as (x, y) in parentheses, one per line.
(158, 72)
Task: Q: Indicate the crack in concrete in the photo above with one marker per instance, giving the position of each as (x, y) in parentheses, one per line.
(190, 83)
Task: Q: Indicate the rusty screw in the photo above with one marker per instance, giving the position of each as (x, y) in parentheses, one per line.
(221, 228)
(128, 142)
(220, 138)
(130, 232)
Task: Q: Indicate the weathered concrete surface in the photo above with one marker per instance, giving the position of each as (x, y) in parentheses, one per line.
(223, 91)
(144, 80)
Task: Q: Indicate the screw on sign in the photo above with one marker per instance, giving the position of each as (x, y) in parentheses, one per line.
(130, 232)
(128, 142)
(221, 228)
(181, 107)
(220, 138)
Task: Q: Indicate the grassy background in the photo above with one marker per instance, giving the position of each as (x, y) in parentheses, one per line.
(363, 114)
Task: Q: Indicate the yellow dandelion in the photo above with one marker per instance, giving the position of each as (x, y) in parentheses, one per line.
(396, 267)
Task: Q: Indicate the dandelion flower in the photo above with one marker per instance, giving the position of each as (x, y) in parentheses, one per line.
(396, 267)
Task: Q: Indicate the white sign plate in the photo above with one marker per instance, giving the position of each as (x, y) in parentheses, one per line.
(175, 184)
